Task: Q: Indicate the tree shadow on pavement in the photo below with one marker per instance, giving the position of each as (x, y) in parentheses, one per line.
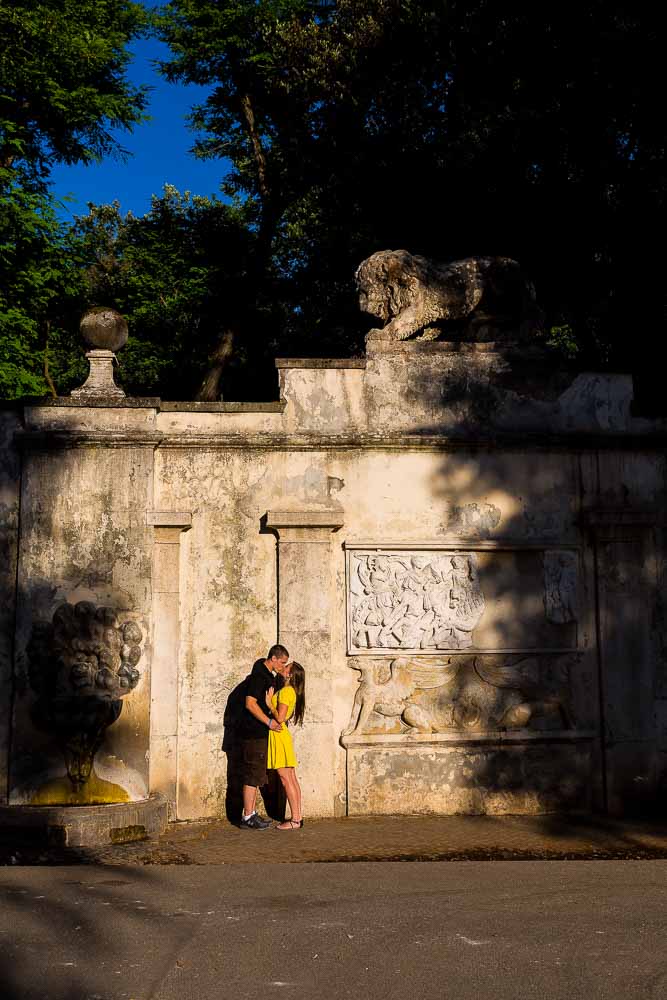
(72, 938)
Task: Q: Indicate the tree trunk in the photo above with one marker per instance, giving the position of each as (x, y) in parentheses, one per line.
(269, 211)
(209, 390)
(47, 374)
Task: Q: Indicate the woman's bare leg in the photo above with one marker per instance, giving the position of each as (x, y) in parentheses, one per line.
(293, 792)
(283, 774)
(297, 789)
(295, 801)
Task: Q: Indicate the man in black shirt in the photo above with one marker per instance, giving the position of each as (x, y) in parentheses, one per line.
(255, 726)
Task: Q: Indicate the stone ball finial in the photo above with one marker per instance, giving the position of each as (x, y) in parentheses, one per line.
(103, 328)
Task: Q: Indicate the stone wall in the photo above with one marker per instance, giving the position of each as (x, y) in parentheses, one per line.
(10, 486)
(83, 537)
(463, 548)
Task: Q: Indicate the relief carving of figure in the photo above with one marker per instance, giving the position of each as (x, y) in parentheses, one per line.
(510, 696)
(473, 695)
(420, 601)
(371, 616)
(560, 587)
(392, 697)
(457, 602)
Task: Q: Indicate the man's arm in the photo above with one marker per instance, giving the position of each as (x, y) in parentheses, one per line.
(253, 707)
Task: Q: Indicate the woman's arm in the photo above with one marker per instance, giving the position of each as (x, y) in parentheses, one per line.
(253, 707)
(284, 704)
(278, 713)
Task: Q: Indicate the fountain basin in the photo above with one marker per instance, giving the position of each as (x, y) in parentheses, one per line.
(86, 826)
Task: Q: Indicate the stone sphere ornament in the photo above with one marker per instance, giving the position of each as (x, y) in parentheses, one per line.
(103, 329)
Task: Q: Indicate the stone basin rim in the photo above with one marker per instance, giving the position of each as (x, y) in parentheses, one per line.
(8, 810)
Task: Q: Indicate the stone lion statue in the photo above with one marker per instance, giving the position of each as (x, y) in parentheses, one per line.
(478, 299)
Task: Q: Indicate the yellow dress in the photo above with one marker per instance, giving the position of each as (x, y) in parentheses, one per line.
(281, 750)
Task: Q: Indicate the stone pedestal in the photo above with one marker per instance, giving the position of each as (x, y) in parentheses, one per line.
(100, 383)
(304, 627)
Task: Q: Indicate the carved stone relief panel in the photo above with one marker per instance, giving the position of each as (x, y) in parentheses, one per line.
(477, 694)
(489, 597)
(560, 587)
(474, 520)
(423, 600)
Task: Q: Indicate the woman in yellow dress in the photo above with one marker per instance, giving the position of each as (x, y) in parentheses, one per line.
(287, 705)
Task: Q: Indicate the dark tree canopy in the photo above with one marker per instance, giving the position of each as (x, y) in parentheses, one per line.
(179, 275)
(449, 129)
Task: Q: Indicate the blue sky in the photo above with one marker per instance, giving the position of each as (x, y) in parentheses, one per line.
(159, 149)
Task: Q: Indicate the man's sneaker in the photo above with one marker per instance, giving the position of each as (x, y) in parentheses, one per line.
(254, 822)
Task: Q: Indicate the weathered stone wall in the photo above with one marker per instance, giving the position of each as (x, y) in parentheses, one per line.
(10, 486)
(83, 537)
(466, 553)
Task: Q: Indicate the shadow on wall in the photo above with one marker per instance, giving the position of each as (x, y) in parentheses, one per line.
(544, 497)
(537, 499)
(273, 793)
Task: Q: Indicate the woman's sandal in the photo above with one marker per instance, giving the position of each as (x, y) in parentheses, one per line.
(290, 824)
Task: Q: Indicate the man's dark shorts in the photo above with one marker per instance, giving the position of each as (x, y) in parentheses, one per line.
(254, 762)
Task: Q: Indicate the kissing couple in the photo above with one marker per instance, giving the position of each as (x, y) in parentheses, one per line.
(275, 697)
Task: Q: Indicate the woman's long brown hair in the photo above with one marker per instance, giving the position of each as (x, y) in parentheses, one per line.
(298, 682)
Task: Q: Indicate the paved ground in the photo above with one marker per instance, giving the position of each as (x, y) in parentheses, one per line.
(390, 838)
(575, 930)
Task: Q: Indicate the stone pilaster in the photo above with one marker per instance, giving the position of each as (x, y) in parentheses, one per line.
(163, 772)
(304, 627)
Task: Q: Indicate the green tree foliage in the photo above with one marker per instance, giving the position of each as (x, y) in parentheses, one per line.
(62, 90)
(40, 290)
(286, 80)
(178, 275)
(62, 80)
